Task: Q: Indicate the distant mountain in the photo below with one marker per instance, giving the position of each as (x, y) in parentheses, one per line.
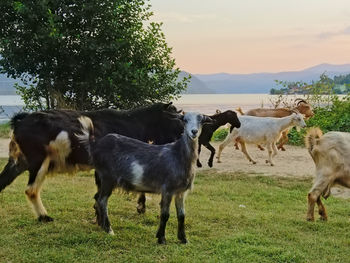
(263, 82)
(6, 85)
(329, 68)
(195, 86)
(233, 83)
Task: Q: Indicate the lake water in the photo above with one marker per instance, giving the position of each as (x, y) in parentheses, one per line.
(208, 103)
(204, 103)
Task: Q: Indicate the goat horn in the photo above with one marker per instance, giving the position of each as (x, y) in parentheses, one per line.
(300, 101)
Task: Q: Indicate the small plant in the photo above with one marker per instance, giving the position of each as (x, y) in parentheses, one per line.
(220, 134)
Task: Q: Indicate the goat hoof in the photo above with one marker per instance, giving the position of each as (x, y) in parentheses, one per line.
(272, 164)
(310, 219)
(322, 218)
(210, 164)
(45, 218)
(141, 209)
(219, 161)
(266, 161)
(183, 241)
(111, 232)
(161, 240)
(199, 165)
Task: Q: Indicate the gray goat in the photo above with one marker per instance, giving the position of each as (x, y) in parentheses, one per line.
(137, 166)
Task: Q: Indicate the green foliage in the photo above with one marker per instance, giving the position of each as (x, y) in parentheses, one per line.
(271, 227)
(325, 85)
(334, 116)
(86, 54)
(5, 130)
(220, 134)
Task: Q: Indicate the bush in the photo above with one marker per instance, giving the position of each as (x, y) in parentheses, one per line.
(332, 117)
(219, 135)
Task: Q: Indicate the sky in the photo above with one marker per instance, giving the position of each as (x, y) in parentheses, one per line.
(247, 36)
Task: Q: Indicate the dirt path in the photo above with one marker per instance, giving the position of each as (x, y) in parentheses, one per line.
(295, 162)
(4, 147)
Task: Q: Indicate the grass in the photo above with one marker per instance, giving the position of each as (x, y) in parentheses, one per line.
(270, 227)
(5, 130)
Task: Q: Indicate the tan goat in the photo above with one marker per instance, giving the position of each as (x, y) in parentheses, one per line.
(330, 153)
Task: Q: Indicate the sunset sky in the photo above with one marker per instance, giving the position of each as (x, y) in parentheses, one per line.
(255, 35)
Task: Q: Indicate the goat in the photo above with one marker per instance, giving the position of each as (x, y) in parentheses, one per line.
(258, 130)
(137, 166)
(208, 129)
(44, 142)
(302, 107)
(330, 153)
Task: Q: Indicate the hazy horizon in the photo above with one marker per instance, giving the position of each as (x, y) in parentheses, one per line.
(255, 36)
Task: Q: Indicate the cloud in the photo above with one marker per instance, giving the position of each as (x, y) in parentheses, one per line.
(330, 34)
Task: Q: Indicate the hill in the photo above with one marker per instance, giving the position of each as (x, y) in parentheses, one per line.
(263, 82)
(195, 86)
(224, 83)
(6, 85)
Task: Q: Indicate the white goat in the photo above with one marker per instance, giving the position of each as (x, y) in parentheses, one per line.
(261, 130)
(330, 153)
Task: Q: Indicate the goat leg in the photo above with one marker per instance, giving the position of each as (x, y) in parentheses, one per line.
(36, 180)
(98, 184)
(102, 202)
(141, 204)
(314, 196)
(283, 140)
(199, 151)
(212, 153)
(321, 210)
(164, 216)
(260, 147)
(244, 150)
(180, 210)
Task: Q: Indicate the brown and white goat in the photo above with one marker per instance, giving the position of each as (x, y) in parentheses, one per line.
(302, 107)
(330, 153)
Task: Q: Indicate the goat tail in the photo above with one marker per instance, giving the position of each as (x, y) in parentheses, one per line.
(87, 135)
(239, 109)
(312, 138)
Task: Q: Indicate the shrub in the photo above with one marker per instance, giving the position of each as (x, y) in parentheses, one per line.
(334, 116)
(219, 135)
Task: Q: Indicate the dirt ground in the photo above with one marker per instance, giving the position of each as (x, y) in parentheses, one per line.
(295, 162)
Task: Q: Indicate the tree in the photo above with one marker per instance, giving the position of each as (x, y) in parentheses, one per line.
(86, 54)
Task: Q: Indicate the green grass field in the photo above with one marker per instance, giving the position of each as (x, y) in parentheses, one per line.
(270, 228)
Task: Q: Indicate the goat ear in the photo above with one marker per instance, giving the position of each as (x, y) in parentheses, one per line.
(166, 105)
(206, 119)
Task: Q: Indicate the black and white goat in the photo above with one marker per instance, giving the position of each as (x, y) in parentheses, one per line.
(137, 166)
(44, 142)
(219, 119)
